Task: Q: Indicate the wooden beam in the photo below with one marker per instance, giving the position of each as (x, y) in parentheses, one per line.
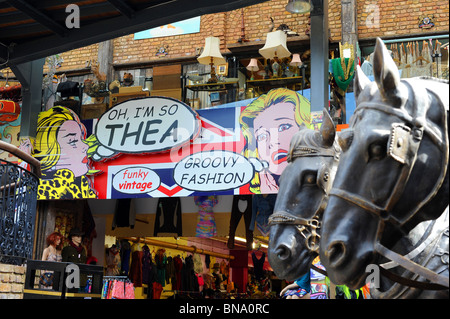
(38, 16)
(124, 8)
(191, 249)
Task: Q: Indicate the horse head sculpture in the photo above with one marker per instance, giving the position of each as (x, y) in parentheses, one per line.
(393, 171)
(304, 186)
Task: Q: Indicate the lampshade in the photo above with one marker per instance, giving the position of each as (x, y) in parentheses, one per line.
(296, 61)
(275, 45)
(211, 50)
(299, 6)
(253, 65)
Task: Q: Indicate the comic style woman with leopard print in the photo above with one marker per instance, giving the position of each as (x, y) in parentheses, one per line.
(62, 151)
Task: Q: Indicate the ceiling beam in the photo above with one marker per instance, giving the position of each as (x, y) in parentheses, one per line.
(120, 26)
(38, 16)
(124, 8)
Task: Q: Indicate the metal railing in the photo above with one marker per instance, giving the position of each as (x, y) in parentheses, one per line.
(18, 199)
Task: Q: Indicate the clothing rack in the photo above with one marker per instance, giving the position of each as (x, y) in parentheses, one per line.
(191, 249)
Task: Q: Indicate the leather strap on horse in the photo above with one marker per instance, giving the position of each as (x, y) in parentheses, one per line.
(438, 281)
(319, 270)
(409, 282)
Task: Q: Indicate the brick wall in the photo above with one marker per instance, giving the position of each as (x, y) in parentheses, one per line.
(12, 279)
(395, 18)
(398, 17)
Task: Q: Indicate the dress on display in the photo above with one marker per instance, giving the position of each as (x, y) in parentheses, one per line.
(262, 207)
(206, 223)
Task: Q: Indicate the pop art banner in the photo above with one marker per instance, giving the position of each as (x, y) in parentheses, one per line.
(160, 147)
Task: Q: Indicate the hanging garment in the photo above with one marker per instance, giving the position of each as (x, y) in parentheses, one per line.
(169, 209)
(170, 271)
(178, 263)
(146, 264)
(136, 268)
(198, 265)
(129, 290)
(262, 207)
(157, 290)
(160, 261)
(124, 213)
(207, 261)
(206, 223)
(258, 265)
(118, 290)
(113, 262)
(125, 255)
(242, 206)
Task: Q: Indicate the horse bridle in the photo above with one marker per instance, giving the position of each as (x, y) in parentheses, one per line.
(403, 147)
(309, 227)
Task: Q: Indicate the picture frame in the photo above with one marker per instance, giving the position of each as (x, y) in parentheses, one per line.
(222, 69)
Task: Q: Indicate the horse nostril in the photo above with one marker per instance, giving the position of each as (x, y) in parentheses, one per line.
(283, 252)
(336, 253)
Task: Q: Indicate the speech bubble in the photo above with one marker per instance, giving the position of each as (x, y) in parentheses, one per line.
(136, 180)
(146, 125)
(213, 170)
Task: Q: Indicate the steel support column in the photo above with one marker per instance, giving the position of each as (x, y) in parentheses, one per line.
(30, 76)
(319, 55)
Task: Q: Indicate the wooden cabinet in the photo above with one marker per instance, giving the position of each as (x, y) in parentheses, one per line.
(116, 98)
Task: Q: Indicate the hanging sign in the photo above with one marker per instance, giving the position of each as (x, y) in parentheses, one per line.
(169, 150)
(145, 125)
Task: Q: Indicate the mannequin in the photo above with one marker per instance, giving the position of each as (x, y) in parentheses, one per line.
(75, 252)
(51, 253)
(53, 250)
(113, 261)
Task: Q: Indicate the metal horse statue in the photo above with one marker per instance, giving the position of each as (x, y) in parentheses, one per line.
(392, 175)
(304, 186)
(295, 229)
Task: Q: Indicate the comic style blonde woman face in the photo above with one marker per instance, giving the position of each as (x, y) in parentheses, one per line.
(60, 141)
(268, 124)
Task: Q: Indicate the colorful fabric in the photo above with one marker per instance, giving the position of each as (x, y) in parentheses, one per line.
(295, 292)
(343, 72)
(206, 223)
(64, 185)
(304, 282)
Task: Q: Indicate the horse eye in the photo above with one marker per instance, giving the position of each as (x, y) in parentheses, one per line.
(377, 151)
(309, 179)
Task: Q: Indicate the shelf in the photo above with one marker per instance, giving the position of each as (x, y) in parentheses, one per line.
(275, 81)
(212, 87)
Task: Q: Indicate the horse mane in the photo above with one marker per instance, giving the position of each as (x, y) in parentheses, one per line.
(434, 79)
(307, 141)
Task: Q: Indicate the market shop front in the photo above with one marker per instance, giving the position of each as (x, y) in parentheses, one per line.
(185, 194)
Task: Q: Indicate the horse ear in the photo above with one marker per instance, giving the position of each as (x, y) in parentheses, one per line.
(385, 72)
(327, 130)
(360, 82)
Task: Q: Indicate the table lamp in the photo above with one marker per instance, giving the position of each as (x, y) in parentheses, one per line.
(275, 48)
(253, 66)
(211, 55)
(296, 61)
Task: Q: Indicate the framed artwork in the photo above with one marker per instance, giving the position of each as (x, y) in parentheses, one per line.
(222, 69)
